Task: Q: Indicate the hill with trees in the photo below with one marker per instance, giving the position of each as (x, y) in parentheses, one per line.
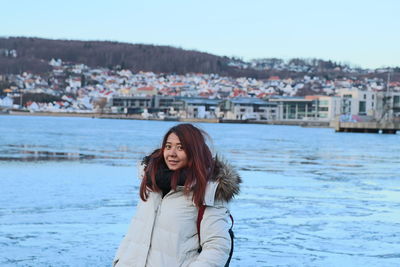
(25, 54)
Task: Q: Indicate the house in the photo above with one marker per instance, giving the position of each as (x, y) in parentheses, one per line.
(146, 91)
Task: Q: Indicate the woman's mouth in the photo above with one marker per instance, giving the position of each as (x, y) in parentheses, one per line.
(173, 162)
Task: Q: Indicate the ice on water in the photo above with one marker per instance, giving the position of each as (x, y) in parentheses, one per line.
(310, 197)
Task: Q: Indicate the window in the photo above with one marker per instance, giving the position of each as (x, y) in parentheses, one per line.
(362, 109)
(323, 115)
(396, 100)
(292, 112)
(118, 103)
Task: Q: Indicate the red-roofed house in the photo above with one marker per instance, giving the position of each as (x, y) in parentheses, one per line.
(146, 90)
(274, 78)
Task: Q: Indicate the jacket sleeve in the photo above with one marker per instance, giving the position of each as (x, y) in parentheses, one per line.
(214, 237)
(126, 239)
(123, 246)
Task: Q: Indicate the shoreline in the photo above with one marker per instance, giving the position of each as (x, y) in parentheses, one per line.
(309, 124)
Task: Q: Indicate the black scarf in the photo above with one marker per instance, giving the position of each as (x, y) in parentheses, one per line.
(163, 178)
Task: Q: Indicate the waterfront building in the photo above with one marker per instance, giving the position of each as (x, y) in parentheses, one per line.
(295, 108)
(358, 102)
(327, 108)
(387, 106)
(309, 108)
(352, 104)
(243, 108)
(168, 105)
(396, 105)
(201, 108)
(131, 104)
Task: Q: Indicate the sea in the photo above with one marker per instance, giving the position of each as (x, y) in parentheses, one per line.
(309, 197)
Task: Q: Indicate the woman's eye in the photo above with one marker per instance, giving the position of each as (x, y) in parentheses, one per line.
(180, 148)
(167, 146)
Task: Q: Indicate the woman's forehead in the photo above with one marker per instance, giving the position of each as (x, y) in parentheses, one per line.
(173, 138)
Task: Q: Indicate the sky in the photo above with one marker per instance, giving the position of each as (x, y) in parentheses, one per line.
(362, 33)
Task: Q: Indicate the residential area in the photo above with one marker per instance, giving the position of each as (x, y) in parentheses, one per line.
(77, 88)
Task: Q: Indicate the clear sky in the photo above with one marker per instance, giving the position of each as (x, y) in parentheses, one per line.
(364, 33)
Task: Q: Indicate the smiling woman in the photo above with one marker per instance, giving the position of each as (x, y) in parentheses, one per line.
(180, 181)
(174, 154)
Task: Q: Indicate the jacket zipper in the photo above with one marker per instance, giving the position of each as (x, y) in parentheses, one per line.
(156, 215)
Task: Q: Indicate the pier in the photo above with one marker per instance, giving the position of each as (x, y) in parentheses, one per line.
(367, 127)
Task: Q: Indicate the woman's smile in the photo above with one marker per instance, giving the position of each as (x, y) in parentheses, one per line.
(174, 154)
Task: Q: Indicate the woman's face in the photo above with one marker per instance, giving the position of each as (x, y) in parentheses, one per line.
(174, 154)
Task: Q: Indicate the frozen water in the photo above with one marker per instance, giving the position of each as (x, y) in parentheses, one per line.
(310, 197)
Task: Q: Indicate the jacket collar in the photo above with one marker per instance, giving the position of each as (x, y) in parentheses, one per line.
(223, 186)
(209, 196)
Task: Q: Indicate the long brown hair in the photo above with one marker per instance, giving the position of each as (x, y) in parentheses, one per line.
(198, 169)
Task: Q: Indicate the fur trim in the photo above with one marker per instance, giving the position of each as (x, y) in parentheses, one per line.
(225, 175)
(228, 179)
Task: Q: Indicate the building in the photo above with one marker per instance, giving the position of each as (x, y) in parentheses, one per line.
(146, 91)
(358, 102)
(244, 108)
(309, 108)
(327, 107)
(295, 108)
(201, 108)
(387, 106)
(169, 105)
(131, 104)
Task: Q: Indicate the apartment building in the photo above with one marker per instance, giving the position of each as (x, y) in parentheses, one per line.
(358, 102)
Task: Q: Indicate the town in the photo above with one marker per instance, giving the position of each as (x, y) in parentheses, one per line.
(118, 92)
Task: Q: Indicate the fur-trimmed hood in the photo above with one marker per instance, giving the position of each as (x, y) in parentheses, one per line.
(224, 183)
(228, 180)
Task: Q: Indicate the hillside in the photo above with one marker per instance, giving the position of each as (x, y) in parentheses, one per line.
(19, 54)
(33, 54)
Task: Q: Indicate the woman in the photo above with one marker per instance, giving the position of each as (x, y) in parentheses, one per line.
(177, 180)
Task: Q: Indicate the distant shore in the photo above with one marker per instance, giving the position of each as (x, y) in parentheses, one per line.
(312, 124)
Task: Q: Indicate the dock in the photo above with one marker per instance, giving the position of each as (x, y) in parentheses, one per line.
(367, 127)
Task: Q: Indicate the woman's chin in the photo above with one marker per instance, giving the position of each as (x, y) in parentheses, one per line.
(174, 167)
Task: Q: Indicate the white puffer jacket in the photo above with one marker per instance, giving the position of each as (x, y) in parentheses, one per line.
(163, 231)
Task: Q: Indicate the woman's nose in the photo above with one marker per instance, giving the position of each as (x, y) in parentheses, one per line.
(172, 151)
